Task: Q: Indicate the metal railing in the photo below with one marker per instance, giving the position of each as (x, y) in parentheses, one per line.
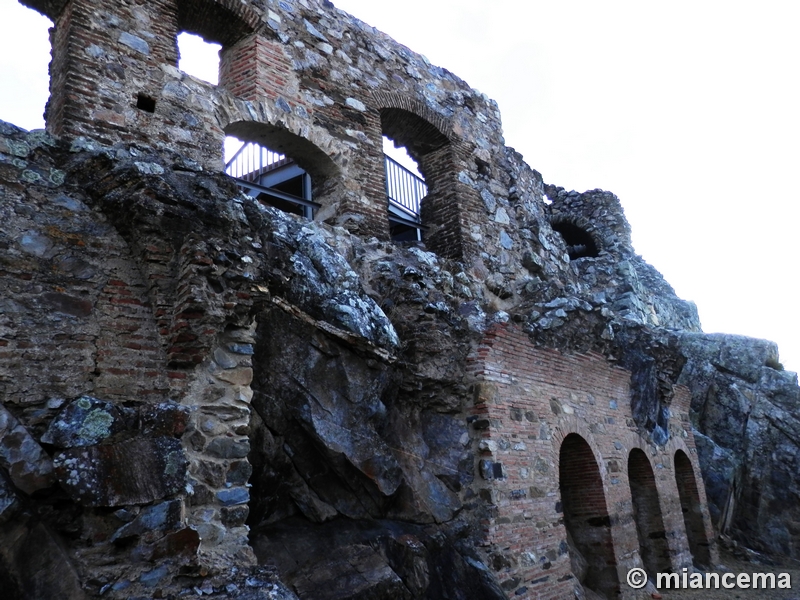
(252, 161)
(404, 189)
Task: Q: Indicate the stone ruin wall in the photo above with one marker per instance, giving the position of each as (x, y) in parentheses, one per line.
(527, 402)
(136, 275)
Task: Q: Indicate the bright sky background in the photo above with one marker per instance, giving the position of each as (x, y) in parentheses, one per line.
(689, 111)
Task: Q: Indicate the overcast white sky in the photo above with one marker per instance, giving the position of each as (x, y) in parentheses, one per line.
(687, 110)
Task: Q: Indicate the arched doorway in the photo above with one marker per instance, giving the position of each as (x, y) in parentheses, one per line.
(690, 506)
(586, 515)
(653, 545)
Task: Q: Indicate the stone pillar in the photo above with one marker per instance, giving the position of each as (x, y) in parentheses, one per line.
(217, 446)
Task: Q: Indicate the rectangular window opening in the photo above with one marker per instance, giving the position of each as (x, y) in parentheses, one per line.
(145, 103)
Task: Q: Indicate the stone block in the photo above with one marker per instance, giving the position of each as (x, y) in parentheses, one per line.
(138, 471)
(29, 467)
(153, 520)
(225, 447)
(88, 421)
(164, 418)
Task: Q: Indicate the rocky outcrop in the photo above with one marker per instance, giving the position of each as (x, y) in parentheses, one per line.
(746, 407)
(201, 395)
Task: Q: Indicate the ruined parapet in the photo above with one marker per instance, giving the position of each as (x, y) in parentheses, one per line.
(115, 79)
(598, 239)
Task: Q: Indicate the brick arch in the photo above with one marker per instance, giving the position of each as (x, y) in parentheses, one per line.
(427, 135)
(653, 545)
(688, 491)
(586, 516)
(572, 425)
(222, 21)
(559, 221)
(290, 133)
(387, 101)
(312, 147)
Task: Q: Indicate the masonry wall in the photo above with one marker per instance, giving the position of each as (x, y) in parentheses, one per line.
(138, 281)
(528, 401)
(113, 356)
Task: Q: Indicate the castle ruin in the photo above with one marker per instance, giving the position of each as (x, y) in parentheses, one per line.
(296, 383)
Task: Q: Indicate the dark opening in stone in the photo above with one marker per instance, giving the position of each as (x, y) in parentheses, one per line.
(145, 103)
(580, 243)
(586, 517)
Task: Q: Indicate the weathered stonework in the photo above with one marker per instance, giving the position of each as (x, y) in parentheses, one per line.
(204, 395)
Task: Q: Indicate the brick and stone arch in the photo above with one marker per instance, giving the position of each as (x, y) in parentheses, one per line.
(220, 21)
(586, 515)
(579, 235)
(691, 507)
(653, 546)
(426, 135)
(313, 148)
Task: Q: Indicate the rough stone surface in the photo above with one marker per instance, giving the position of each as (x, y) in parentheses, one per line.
(86, 422)
(133, 472)
(746, 405)
(28, 466)
(220, 384)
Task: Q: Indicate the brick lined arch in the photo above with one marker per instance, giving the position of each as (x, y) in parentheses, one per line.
(324, 174)
(392, 100)
(427, 137)
(653, 545)
(221, 21)
(586, 516)
(699, 544)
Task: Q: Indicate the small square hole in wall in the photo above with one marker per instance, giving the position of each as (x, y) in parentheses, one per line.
(145, 103)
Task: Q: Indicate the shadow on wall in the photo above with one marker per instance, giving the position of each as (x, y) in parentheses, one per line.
(690, 506)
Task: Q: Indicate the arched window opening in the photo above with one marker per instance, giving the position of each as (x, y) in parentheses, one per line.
(405, 189)
(580, 243)
(586, 517)
(198, 57)
(271, 177)
(653, 546)
(690, 506)
(416, 201)
(281, 168)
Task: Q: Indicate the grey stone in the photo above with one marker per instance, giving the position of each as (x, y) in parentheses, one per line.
(28, 466)
(8, 500)
(161, 517)
(88, 421)
(138, 471)
(153, 577)
(135, 42)
(233, 496)
(36, 243)
(225, 447)
(241, 348)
